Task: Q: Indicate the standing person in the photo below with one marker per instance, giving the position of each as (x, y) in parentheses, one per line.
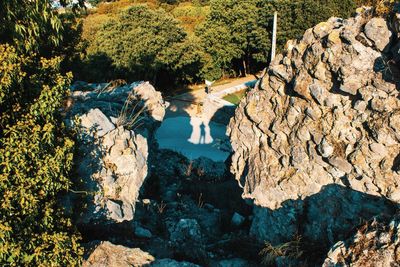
(208, 86)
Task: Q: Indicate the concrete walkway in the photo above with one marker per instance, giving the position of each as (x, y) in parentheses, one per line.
(190, 126)
(190, 103)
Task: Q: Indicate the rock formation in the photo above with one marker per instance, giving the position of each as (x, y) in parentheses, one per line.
(316, 145)
(113, 148)
(375, 244)
(108, 254)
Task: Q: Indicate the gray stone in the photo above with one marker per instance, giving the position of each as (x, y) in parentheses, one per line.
(97, 122)
(142, 232)
(351, 85)
(360, 106)
(237, 219)
(111, 161)
(341, 164)
(378, 149)
(322, 29)
(154, 102)
(186, 230)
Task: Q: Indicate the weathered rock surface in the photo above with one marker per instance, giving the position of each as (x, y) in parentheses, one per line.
(316, 146)
(375, 244)
(110, 255)
(113, 150)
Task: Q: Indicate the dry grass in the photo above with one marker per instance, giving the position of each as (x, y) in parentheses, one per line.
(131, 112)
(291, 250)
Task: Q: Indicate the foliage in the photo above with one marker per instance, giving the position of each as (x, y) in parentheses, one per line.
(233, 32)
(28, 24)
(383, 7)
(294, 17)
(35, 153)
(237, 33)
(222, 37)
(143, 43)
(190, 15)
(35, 158)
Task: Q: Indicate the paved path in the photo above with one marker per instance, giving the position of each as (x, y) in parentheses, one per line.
(189, 103)
(188, 128)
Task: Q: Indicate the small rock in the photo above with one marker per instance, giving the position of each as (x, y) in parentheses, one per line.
(325, 149)
(142, 232)
(186, 230)
(351, 85)
(301, 85)
(317, 92)
(378, 149)
(341, 164)
(360, 105)
(237, 219)
(322, 29)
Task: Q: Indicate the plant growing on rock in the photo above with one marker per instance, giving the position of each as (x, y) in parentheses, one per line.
(130, 113)
(290, 250)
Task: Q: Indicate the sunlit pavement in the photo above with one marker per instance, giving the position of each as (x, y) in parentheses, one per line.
(189, 127)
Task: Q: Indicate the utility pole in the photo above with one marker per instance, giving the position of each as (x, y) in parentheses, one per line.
(273, 50)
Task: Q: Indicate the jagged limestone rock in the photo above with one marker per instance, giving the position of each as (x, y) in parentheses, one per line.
(317, 145)
(112, 158)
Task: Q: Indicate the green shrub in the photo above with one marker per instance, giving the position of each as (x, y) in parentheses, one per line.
(35, 159)
(144, 44)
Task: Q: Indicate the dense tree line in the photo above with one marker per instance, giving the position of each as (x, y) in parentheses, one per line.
(157, 40)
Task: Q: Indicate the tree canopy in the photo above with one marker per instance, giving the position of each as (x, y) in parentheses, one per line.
(141, 41)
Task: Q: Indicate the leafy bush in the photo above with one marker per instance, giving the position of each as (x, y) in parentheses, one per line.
(35, 159)
(144, 44)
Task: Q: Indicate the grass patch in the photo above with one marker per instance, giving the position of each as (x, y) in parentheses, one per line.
(235, 97)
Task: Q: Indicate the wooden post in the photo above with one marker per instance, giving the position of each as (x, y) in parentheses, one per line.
(273, 49)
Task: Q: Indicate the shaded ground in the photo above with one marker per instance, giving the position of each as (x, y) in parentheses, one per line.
(192, 138)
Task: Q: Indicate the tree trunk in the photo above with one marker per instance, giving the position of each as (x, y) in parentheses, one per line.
(244, 67)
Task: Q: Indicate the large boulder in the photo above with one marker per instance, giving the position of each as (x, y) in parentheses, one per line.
(113, 150)
(316, 145)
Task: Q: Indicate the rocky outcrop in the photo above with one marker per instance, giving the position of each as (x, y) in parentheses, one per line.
(110, 255)
(113, 149)
(316, 145)
(375, 244)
